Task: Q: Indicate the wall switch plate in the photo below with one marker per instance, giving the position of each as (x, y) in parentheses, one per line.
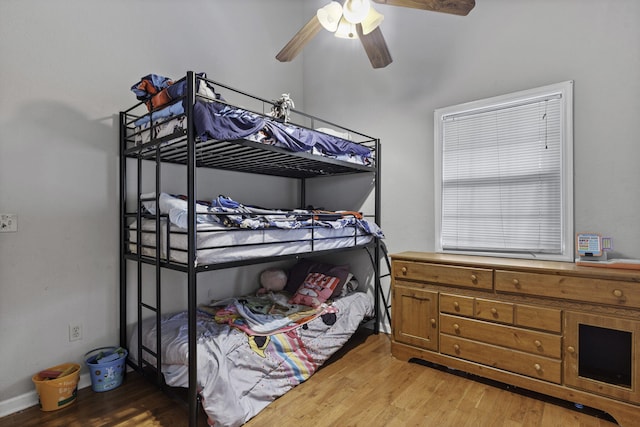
(8, 223)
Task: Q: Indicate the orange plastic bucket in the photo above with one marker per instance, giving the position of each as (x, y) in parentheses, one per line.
(58, 392)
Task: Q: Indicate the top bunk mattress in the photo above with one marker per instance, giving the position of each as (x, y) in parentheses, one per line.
(161, 119)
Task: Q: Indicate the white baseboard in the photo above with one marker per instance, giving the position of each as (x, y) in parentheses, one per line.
(27, 400)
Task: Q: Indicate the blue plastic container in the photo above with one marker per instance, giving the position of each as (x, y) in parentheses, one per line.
(106, 367)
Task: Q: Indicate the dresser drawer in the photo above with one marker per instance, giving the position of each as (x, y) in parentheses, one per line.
(495, 311)
(478, 278)
(546, 319)
(539, 367)
(602, 291)
(534, 342)
(456, 304)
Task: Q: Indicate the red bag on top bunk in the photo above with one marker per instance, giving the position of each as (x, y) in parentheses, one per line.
(152, 90)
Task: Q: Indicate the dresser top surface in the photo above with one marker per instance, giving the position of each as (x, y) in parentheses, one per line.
(556, 267)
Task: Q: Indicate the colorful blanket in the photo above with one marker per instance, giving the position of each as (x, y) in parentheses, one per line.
(240, 374)
(264, 315)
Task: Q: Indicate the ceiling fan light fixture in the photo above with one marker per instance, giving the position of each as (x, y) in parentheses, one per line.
(364, 25)
(346, 30)
(329, 16)
(372, 21)
(355, 11)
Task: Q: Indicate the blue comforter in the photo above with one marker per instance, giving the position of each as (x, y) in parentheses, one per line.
(216, 120)
(213, 120)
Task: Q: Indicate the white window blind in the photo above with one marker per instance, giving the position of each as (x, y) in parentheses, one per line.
(502, 176)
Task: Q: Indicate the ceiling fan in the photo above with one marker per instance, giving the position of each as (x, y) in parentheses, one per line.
(357, 18)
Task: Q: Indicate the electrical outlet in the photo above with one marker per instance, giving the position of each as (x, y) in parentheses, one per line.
(75, 332)
(8, 223)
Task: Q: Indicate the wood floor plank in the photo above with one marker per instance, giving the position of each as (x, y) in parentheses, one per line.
(362, 385)
(522, 411)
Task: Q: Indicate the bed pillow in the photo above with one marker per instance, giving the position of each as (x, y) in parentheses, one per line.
(302, 268)
(315, 289)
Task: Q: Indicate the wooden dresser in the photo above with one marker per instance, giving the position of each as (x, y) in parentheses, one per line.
(559, 329)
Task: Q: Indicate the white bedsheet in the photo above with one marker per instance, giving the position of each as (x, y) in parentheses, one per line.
(218, 244)
(160, 128)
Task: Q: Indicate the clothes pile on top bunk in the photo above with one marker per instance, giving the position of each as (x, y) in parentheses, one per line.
(221, 121)
(240, 371)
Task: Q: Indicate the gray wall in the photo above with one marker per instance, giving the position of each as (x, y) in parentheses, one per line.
(65, 73)
(67, 67)
(500, 47)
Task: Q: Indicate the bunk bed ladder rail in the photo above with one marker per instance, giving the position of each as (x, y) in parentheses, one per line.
(380, 251)
(157, 218)
(159, 260)
(124, 242)
(143, 352)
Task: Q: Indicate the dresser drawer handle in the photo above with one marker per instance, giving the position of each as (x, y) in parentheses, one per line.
(494, 310)
(516, 283)
(456, 347)
(571, 349)
(617, 293)
(433, 322)
(456, 327)
(456, 305)
(474, 278)
(404, 270)
(537, 343)
(537, 367)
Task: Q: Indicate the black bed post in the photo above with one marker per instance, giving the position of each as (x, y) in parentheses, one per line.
(123, 210)
(191, 260)
(377, 205)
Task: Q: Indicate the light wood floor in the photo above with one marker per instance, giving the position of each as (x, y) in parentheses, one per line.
(362, 386)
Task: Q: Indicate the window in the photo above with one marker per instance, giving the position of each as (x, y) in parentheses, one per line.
(504, 175)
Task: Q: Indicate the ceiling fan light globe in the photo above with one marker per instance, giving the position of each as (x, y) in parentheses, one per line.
(355, 11)
(329, 16)
(372, 21)
(346, 30)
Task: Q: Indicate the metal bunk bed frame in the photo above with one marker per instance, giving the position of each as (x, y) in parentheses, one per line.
(278, 162)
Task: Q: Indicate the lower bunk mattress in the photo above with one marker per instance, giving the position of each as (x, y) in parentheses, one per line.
(228, 231)
(239, 373)
(216, 244)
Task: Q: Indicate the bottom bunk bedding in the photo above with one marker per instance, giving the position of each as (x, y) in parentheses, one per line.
(241, 371)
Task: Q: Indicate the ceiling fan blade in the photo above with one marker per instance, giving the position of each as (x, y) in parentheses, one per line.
(375, 46)
(299, 40)
(456, 7)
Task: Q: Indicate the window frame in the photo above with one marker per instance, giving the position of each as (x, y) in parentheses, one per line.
(565, 91)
